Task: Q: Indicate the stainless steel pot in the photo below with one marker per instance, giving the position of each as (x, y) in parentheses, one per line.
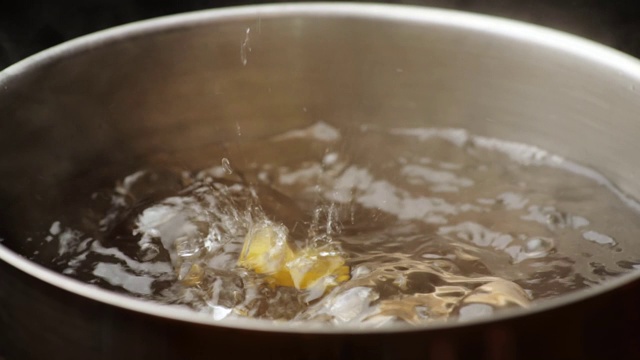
(92, 110)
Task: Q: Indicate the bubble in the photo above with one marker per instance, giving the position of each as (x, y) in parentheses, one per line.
(226, 165)
(223, 288)
(148, 251)
(475, 311)
(191, 274)
(422, 312)
(187, 247)
(343, 307)
(330, 158)
(220, 312)
(598, 238)
(538, 247)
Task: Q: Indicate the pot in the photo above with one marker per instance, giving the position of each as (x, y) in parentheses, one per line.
(151, 94)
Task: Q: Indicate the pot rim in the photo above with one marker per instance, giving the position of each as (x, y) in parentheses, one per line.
(625, 66)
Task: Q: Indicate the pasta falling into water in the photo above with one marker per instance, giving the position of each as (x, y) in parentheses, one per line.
(267, 251)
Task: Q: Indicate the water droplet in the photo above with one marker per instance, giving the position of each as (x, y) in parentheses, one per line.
(245, 48)
(238, 129)
(227, 166)
(55, 228)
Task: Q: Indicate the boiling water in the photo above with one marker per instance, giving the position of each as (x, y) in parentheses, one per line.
(433, 223)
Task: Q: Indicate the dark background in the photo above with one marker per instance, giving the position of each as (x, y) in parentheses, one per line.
(29, 26)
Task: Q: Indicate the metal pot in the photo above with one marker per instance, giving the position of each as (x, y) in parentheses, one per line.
(92, 110)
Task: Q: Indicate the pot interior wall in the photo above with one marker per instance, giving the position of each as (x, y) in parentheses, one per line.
(82, 119)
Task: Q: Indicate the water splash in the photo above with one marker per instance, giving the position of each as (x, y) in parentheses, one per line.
(452, 235)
